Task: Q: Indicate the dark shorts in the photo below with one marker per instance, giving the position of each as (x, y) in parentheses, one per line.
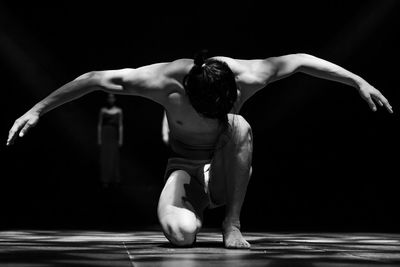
(197, 169)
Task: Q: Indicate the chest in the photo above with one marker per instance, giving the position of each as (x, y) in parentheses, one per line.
(185, 122)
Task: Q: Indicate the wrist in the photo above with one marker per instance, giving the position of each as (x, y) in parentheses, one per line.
(359, 82)
(37, 110)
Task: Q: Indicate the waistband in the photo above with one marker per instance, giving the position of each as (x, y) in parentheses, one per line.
(183, 150)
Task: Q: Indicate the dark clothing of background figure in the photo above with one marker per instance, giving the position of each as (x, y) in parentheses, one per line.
(109, 155)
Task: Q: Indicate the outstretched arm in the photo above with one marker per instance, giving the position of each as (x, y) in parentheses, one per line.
(326, 70)
(80, 86)
(254, 75)
(147, 81)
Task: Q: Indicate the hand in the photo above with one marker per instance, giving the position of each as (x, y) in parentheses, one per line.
(165, 138)
(371, 94)
(22, 125)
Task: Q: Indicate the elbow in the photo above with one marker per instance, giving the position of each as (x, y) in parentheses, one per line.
(92, 79)
(88, 75)
(300, 61)
(302, 55)
(300, 58)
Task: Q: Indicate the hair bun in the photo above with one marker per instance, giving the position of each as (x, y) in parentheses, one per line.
(200, 57)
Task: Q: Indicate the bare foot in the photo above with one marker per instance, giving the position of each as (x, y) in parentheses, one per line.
(233, 238)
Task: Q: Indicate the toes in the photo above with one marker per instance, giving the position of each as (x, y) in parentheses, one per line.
(239, 244)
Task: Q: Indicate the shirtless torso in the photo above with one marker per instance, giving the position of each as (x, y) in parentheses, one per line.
(185, 124)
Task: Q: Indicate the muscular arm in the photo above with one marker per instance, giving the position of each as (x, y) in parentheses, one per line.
(254, 75)
(148, 81)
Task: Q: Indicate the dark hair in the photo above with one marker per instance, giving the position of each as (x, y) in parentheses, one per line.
(211, 87)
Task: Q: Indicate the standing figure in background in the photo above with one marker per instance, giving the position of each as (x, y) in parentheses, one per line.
(110, 139)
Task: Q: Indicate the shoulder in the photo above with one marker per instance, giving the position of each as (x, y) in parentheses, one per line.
(178, 67)
(249, 71)
(244, 66)
(164, 73)
(171, 74)
(152, 70)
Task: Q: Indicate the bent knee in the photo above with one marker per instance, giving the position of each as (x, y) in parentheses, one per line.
(180, 232)
(180, 239)
(181, 236)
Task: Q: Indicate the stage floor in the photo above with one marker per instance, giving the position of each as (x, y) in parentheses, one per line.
(150, 248)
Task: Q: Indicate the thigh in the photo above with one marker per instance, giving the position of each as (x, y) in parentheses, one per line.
(223, 164)
(182, 199)
(215, 173)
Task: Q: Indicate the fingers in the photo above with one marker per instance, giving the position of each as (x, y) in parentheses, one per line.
(371, 94)
(383, 102)
(387, 104)
(371, 103)
(25, 129)
(20, 128)
(13, 131)
(389, 108)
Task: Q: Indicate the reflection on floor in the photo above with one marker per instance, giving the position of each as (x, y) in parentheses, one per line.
(150, 248)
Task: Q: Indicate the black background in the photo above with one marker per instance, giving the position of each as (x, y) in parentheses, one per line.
(322, 160)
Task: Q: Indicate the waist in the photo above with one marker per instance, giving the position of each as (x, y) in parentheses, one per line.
(190, 151)
(110, 125)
